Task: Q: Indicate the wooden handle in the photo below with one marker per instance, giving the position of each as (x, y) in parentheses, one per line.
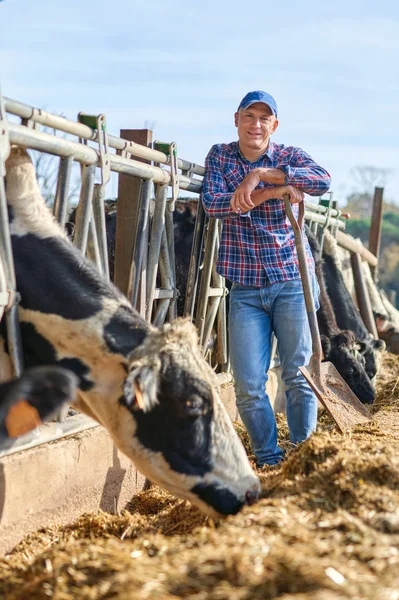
(304, 272)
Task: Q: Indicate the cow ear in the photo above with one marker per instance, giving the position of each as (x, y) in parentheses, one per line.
(141, 388)
(20, 418)
(379, 345)
(346, 337)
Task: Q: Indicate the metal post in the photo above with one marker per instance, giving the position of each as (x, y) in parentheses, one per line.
(6, 256)
(141, 243)
(84, 211)
(61, 196)
(11, 315)
(206, 278)
(375, 227)
(193, 271)
(165, 271)
(100, 227)
(222, 347)
(93, 250)
(362, 295)
(157, 226)
(213, 307)
(170, 239)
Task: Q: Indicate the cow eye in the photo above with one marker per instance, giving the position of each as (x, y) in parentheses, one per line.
(195, 407)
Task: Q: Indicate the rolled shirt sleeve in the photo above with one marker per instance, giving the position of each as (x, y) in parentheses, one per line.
(304, 173)
(215, 196)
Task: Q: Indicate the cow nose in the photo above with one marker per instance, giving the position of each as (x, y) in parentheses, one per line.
(251, 497)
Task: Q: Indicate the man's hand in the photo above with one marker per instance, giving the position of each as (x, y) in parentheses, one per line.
(296, 195)
(241, 199)
(240, 203)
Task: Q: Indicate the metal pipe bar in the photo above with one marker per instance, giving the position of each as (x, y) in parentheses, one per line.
(166, 284)
(206, 278)
(61, 196)
(42, 117)
(44, 142)
(213, 308)
(162, 294)
(216, 291)
(11, 316)
(93, 249)
(222, 354)
(100, 227)
(319, 208)
(161, 312)
(50, 432)
(170, 239)
(193, 270)
(322, 220)
(84, 210)
(141, 241)
(157, 226)
(165, 269)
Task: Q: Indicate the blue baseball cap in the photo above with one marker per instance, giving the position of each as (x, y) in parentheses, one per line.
(258, 96)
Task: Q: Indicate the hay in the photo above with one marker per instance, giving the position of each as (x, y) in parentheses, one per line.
(326, 528)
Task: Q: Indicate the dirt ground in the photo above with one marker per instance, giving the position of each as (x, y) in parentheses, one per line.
(326, 528)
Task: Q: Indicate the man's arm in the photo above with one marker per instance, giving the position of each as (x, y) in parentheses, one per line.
(301, 173)
(215, 197)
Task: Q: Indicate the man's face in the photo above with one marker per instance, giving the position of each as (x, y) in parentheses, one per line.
(255, 125)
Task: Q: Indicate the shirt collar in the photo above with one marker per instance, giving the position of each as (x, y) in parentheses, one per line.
(235, 149)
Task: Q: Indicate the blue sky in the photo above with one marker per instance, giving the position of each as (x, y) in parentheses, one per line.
(184, 66)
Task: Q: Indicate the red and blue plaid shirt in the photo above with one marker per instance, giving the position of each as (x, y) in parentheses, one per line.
(258, 247)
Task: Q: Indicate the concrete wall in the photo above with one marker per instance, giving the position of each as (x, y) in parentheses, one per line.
(58, 481)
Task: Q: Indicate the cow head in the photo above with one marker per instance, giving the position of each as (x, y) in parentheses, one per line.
(180, 435)
(341, 350)
(371, 351)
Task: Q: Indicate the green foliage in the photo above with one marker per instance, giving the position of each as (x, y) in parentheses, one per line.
(360, 228)
(389, 252)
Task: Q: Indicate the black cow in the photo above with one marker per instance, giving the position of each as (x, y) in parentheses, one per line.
(150, 388)
(339, 346)
(346, 312)
(29, 400)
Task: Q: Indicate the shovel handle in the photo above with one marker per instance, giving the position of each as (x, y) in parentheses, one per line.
(305, 277)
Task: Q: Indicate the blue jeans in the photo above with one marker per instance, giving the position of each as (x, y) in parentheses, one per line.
(253, 316)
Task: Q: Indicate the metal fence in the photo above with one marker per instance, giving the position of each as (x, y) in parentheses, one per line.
(152, 270)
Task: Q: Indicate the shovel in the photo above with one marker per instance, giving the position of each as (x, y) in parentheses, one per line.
(327, 384)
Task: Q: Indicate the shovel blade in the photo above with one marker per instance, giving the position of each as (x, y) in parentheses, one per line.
(336, 396)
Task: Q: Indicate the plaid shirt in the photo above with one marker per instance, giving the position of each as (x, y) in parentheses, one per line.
(258, 247)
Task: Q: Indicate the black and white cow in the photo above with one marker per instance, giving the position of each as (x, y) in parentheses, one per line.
(339, 346)
(150, 388)
(29, 400)
(346, 312)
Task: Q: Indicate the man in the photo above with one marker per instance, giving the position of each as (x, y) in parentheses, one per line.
(244, 186)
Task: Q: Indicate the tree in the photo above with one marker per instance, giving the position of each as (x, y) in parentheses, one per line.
(365, 178)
